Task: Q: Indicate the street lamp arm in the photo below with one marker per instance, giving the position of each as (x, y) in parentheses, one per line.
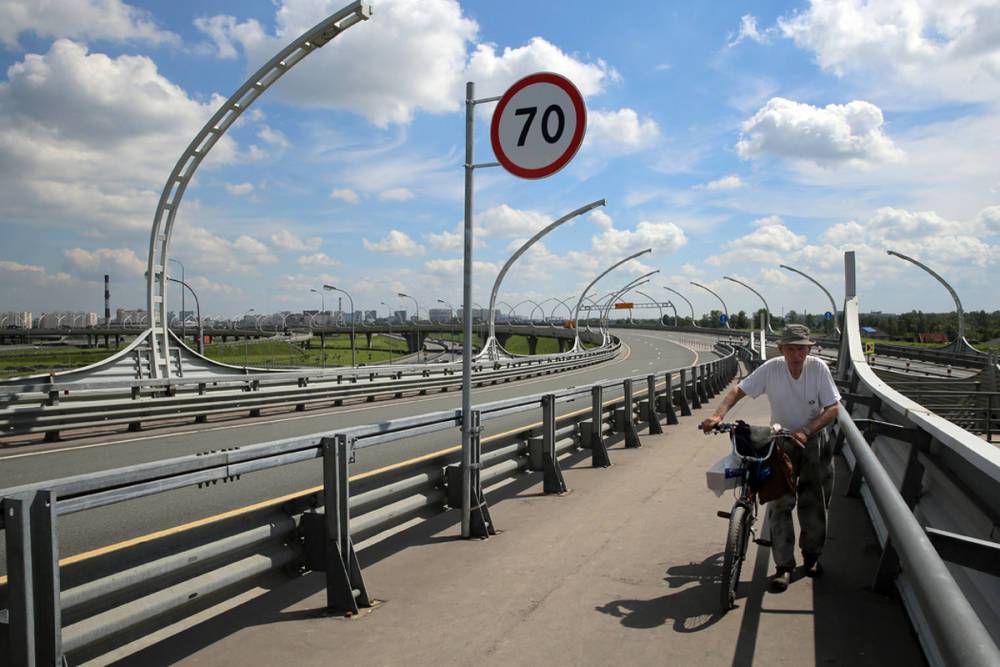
(690, 305)
(641, 280)
(658, 306)
(767, 309)
(954, 294)
(833, 304)
(724, 308)
(576, 311)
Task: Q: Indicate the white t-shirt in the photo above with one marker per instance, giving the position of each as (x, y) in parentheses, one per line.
(794, 403)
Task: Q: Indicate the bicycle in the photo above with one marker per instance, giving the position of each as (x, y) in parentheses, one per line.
(748, 443)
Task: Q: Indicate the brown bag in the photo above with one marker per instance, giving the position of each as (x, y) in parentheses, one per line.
(781, 481)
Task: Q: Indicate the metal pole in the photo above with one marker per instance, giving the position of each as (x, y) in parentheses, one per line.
(197, 305)
(960, 344)
(183, 307)
(350, 301)
(658, 306)
(388, 321)
(671, 289)
(470, 107)
(767, 309)
(724, 308)
(833, 304)
(576, 312)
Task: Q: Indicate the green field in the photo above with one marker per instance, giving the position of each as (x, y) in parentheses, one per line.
(15, 363)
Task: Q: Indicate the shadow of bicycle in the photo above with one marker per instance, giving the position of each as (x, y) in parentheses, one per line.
(692, 608)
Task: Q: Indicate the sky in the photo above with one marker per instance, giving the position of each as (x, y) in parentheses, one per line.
(728, 137)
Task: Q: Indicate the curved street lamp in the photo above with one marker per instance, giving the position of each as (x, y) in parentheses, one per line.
(197, 305)
(657, 303)
(245, 343)
(960, 344)
(416, 323)
(724, 308)
(833, 304)
(767, 309)
(690, 305)
(491, 349)
(641, 280)
(576, 312)
(331, 288)
(388, 321)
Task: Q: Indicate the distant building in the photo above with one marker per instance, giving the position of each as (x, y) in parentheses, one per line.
(16, 320)
(399, 316)
(439, 314)
(371, 315)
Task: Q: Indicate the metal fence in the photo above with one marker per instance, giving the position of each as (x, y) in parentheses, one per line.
(79, 607)
(931, 491)
(53, 407)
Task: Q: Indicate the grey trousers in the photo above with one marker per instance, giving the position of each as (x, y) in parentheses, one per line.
(813, 473)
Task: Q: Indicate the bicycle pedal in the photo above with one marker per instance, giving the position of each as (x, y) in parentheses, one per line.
(763, 543)
(723, 515)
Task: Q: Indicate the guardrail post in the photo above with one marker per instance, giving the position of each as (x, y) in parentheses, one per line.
(552, 476)
(700, 384)
(682, 391)
(631, 434)
(668, 399)
(695, 395)
(34, 612)
(598, 451)
(345, 587)
(651, 417)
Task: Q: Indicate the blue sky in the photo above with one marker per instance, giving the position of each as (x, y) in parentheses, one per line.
(728, 137)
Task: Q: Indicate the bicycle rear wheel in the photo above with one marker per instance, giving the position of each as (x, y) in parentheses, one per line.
(732, 561)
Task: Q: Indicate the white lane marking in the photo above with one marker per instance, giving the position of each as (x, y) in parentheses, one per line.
(628, 353)
(677, 342)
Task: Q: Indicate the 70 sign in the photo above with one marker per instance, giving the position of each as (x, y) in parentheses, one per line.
(538, 125)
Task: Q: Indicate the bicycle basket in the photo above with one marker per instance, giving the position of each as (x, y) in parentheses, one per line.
(751, 440)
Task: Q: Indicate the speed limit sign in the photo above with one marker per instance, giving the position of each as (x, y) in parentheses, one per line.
(538, 125)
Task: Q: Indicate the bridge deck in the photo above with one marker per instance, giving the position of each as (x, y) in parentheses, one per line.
(623, 569)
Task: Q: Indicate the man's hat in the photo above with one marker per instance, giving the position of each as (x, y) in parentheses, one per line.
(796, 334)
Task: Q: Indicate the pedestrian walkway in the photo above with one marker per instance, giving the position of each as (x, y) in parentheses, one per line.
(622, 570)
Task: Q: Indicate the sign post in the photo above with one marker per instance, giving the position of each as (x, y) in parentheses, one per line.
(537, 128)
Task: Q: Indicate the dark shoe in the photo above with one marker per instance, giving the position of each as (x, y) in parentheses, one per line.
(812, 566)
(781, 579)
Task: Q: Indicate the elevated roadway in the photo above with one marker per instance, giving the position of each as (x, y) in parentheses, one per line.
(642, 351)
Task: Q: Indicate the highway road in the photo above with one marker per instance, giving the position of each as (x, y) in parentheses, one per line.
(643, 352)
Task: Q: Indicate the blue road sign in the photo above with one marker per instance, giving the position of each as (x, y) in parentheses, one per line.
(723, 318)
(828, 315)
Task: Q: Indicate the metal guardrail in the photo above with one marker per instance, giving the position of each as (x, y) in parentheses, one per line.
(54, 407)
(53, 610)
(930, 489)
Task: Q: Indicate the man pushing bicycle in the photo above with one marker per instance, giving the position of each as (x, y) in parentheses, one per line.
(804, 400)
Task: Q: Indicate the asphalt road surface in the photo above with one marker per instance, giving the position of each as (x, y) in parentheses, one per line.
(643, 352)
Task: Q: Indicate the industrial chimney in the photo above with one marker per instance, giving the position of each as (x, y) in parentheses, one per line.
(107, 300)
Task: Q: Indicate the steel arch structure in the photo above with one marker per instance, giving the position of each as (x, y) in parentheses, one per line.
(183, 171)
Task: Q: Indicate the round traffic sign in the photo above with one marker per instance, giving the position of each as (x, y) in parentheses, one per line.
(723, 318)
(538, 125)
(828, 315)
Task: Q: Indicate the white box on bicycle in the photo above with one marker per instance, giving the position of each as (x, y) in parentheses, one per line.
(725, 474)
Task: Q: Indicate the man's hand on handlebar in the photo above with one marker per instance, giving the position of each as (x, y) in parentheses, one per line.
(800, 437)
(710, 423)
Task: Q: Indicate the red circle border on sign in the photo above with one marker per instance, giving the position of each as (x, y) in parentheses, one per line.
(575, 142)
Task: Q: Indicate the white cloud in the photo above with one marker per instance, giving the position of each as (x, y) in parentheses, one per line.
(446, 240)
(835, 134)
(239, 189)
(601, 219)
(662, 237)
(396, 243)
(504, 221)
(88, 139)
(345, 194)
(35, 274)
(396, 194)
(243, 255)
(203, 285)
(318, 259)
(620, 132)
(271, 136)
(748, 30)
(110, 20)
(421, 48)
(844, 233)
(450, 267)
(730, 182)
(917, 48)
(95, 263)
(287, 240)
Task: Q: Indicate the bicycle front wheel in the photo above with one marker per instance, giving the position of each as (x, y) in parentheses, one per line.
(732, 561)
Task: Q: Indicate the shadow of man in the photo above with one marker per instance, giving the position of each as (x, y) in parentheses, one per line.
(693, 608)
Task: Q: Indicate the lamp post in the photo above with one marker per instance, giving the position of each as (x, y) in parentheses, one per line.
(576, 312)
(245, 356)
(693, 323)
(331, 288)
(767, 309)
(491, 348)
(641, 280)
(197, 305)
(416, 323)
(451, 310)
(960, 344)
(183, 306)
(833, 304)
(725, 310)
(657, 303)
